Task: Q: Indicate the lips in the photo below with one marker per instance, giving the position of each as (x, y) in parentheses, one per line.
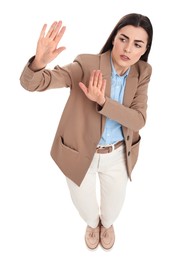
(124, 57)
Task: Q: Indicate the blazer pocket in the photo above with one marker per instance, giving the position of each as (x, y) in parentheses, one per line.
(134, 153)
(66, 147)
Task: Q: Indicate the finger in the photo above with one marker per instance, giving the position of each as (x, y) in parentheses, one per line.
(60, 34)
(56, 30)
(103, 87)
(100, 81)
(51, 29)
(96, 77)
(42, 33)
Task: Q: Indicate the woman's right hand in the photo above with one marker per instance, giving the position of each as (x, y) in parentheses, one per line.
(47, 49)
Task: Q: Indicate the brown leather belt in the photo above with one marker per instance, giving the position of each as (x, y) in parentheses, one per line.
(109, 148)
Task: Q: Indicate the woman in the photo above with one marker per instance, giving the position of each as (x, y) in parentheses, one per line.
(98, 133)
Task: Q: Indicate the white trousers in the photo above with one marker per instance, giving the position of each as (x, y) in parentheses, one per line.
(107, 203)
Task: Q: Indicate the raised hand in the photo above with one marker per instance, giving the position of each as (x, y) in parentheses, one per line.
(96, 88)
(47, 46)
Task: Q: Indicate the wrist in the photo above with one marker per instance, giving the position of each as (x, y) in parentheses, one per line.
(102, 102)
(36, 65)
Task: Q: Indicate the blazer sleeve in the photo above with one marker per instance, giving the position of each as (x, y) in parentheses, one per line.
(47, 79)
(134, 116)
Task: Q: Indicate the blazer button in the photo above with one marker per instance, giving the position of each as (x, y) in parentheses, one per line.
(128, 138)
(129, 153)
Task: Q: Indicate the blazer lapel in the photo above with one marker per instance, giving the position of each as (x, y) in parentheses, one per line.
(131, 87)
(105, 67)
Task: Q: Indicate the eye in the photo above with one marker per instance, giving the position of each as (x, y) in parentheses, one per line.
(137, 45)
(123, 39)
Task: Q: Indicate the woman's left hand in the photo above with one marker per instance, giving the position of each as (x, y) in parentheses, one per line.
(96, 88)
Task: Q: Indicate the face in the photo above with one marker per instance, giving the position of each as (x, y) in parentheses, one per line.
(129, 44)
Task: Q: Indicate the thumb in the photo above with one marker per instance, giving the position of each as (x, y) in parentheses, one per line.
(83, 87)
(59, 50)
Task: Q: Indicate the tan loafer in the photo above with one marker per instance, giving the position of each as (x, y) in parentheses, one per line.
(107, 237)
(92, 237)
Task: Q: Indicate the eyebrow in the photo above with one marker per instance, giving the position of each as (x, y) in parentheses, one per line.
(128, 38)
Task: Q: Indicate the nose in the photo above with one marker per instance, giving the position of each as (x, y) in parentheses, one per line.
(128, 48)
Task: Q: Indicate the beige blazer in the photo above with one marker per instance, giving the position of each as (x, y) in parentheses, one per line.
(82, 121)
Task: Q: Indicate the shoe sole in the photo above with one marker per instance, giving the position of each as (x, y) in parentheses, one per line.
(105, 248)
(92, 249)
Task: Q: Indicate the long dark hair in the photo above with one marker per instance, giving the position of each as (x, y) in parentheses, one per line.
(137, 20)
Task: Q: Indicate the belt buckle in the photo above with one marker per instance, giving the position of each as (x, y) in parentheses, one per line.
(112, 147)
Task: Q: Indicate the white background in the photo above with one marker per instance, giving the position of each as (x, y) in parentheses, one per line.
(37, 218)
